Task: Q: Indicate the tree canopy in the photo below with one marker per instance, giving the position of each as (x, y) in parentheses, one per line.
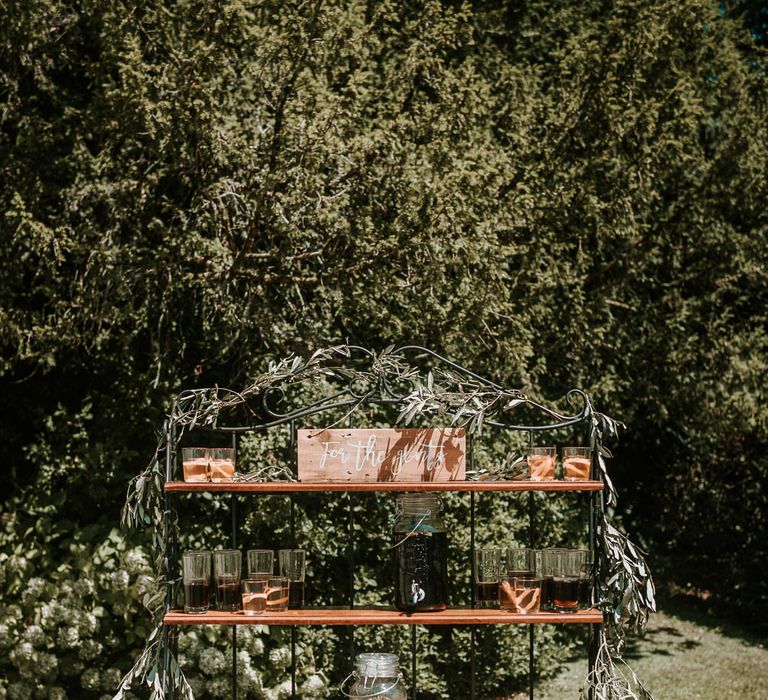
(555, 194)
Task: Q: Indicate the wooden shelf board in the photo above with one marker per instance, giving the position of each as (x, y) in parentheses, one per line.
(276, 487)
(381, 616)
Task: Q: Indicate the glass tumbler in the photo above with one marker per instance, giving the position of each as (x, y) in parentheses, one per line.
(227, 565)
(277, 594)
(585, 581)
(565, 584)
(254, 596)
(548, 565)
(197, 581)
(194, 463)
(541, 463)
(576, 463)
(487, 575)
(222, 464)
(292, 563)
(527, 594)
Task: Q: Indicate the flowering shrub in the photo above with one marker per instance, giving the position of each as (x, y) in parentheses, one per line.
(72, 621)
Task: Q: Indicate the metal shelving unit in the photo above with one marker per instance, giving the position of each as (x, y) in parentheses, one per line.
(351, 615)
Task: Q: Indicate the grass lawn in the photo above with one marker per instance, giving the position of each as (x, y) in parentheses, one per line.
(685, 656)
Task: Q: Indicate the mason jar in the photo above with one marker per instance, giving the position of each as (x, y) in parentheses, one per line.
(376, 676)
(420, 554)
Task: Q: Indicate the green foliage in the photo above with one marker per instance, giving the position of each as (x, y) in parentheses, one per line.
(554, 194)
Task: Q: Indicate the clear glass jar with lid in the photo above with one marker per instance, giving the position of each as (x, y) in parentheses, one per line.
(376, 676)
(420, 554)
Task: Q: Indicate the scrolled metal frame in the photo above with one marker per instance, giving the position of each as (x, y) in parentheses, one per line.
(384, 394)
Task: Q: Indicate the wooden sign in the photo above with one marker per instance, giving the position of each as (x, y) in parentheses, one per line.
(392, 454)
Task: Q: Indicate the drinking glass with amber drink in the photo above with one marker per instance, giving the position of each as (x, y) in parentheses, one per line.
(565, 586)
(196, 567)
(194, 462)
(527, 594)
(277, 594)
(254, 596)
(222, 464)
(292, 563)
(576, 463)
(487, 575)
(227, 565)
(541, 463)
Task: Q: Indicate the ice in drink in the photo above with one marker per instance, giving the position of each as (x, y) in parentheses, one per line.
(222, 470)
(527, 596)
(576, 468)
(506, 595)
(542, 466)
(277, 595)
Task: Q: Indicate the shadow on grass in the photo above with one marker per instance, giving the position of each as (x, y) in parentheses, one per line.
(659, 641)
(717, 618)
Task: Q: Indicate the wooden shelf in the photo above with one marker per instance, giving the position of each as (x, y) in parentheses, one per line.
(381, 616)
(276, 487)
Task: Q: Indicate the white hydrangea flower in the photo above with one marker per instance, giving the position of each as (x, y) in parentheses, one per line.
(29, 596)
(68, 637)
(313, 687)
(119, 580)
(35, 635)
(13, 613)
(36, 586)
(20, 691)
(111, 678)
(136, 561)
(47, 665)
(219, 687)
(5, 636)
(56, 693)
(52, 614)
(87, 624)
(280, 657)
(248, 678)
(90, 679)
(84, 587)
(22, 654)
(282, 691)
(256, 646)
(16, 564)
(187, 641)
(89, 649)
(66, 589)
(212, 661)
(197, 684)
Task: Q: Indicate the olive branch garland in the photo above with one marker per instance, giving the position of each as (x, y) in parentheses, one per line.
(626, 592)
